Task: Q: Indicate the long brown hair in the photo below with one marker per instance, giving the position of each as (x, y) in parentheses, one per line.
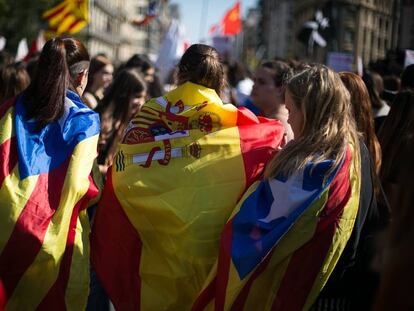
(200, 64)
(397, 133)
(126, 84)
(364, 118)
(97, 63)
(61, 61)
(328, 124)
(13, 79)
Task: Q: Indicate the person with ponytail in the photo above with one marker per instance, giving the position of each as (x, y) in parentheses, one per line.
(48, 143)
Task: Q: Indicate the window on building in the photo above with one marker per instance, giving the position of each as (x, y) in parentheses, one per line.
(108, 27)
(349, 36)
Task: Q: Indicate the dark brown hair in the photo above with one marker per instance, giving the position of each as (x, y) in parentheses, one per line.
(369, 80)
(61, 61)
(396, 134)
(13, 80)
(361, 105)
(280, 71)
(200, 64)
(97, 63)
(127, 83)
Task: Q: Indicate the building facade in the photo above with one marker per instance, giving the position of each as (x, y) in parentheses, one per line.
(104, 28)
(276, 28)
(111, 32)
(406, 33)
(367, 29)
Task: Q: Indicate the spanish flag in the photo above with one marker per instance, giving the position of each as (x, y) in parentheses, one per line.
(284, 239)
(185, 161)
(45, 187)
(69, 16)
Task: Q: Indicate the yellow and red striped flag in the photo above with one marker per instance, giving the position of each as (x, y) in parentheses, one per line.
(69, 16)
(284, 239)
(45, 188)
(185, 161)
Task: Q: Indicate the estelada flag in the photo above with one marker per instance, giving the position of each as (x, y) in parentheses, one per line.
(69, 16)
(151, 13)
(231, 23)
(45, 187)
(284, 239)
(185, 161)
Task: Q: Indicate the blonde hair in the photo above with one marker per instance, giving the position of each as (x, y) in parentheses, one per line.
(328, 124)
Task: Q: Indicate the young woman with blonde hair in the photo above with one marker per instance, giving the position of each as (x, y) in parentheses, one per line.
(295, 239)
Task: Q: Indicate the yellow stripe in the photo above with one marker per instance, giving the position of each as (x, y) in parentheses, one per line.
(342, 233)
(65, 23)
(56, 20)
(6, 126)
(77, 289)
(54, 9)
(79, 26)
(43, 272)
(16, 193)
(269, 280)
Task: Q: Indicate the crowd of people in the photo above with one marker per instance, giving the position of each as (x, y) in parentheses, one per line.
(322, 182)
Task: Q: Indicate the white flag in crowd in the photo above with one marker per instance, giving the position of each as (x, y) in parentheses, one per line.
(171, 50)
(2, 43)
(409, 57)
(22, 50)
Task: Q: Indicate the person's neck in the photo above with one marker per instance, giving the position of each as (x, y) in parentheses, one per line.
(278, 111)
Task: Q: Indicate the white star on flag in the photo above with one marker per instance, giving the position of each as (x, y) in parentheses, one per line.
(287, 196)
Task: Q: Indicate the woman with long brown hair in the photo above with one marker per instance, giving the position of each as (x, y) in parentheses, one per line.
(124, 99)
(100, 77)
(48, 140)
(362, 112)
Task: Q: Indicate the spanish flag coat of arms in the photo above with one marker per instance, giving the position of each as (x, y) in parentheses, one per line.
(185, 161)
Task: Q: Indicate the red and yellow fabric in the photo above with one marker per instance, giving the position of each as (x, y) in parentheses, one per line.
(45, 187)
(69, 16)
(185, 161)
(284, 239)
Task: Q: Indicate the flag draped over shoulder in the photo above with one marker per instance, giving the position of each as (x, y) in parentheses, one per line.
(284, 239)
(185, 161)
(69, 16)
(45, 187)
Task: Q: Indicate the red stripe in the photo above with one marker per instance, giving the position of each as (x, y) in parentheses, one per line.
(3, 296)
(30, 228)
(223, 266)
(74, 23)
(259, 137)
(205, 296)
(241, 299)
(53, 14)
(306, 263)
(8, 156)
(55, 298)
(116, 251)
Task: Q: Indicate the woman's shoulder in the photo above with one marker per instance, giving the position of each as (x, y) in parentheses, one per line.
(90, 100)
(77, 117)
